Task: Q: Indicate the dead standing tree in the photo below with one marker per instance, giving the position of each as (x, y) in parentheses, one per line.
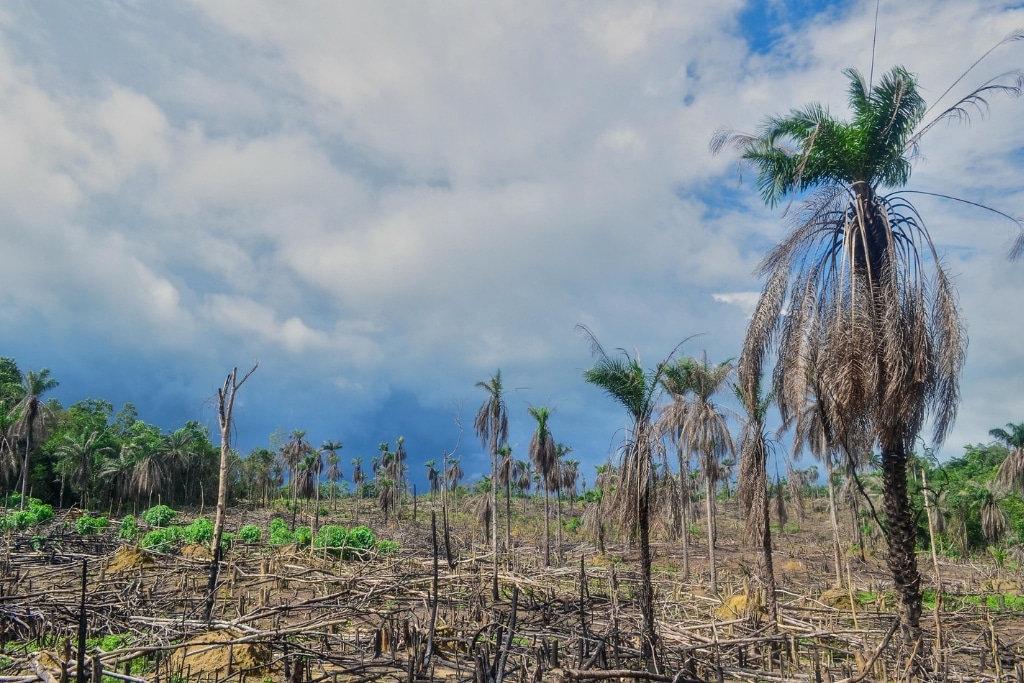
(225, 406)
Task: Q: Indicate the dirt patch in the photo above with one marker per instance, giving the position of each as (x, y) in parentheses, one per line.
(196, 551)
(129, 557)
(215, 654)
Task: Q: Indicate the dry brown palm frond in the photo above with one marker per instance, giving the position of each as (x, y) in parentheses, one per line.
(780, 504)
(795, 483)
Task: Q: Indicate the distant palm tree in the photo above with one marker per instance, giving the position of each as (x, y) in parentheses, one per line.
(491, 426)
(626, 381)
(293, 452)
(79, 456)
(544, 455)
(118, 470)
(177, 452)
(454, 474)
(433, 478)
(358, 476)
(333, 473)
(1011, 471)
(701, 425)
(34, 417)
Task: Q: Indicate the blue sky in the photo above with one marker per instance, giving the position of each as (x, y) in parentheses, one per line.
(385, 202)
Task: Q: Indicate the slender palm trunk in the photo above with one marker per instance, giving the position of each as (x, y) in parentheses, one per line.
(558, 499)
(902, 542)
(709, 502)
(547, 528)
(508, 516)
(494, 518)
(648, 635)
(24, 466)
(834, 521)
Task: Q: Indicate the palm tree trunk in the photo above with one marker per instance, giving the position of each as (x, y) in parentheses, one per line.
(648, 635)
(558, 499)
(547, 528)
(834, 521)
(902, 542)
(709, 502)
(508, 516)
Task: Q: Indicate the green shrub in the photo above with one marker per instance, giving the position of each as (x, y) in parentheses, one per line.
(91, 525)
(359, 541)
(573, 524)
(37, 513)
(199, 531)
(162, 540)
(159, 515)
(303, 536)
(129, 529)
(250, 533)
(332, 538)
(226, 539)
(279, 534)
(387, 547)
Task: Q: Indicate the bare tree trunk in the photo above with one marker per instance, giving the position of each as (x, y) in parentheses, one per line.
(709, 502)
(834, 521)
(547, 528)
(225, 406)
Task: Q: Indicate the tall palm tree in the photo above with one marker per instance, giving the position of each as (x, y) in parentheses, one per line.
(333, 473)
(294, 452)
(557, 481)
(1011, 471)
(856, 296)
(177, 452)
(524, 479)
(491, 426)
(752, 488)
(700, 424)
(79, 458)
(544, 456)
(34, 417)
(637, 390)
(433, 478)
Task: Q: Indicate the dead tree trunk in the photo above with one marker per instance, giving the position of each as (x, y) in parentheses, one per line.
(225, 406)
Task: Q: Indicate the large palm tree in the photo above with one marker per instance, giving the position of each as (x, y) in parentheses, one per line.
(491, 426)
(625, 380)
(701, 425)
(544, 456)
(856, 296)
(34, 417)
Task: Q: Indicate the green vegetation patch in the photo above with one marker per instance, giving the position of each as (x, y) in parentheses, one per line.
(199, 531)
(91, 525)
(159, 515)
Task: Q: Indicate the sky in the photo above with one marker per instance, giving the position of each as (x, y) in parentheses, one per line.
(384, 203)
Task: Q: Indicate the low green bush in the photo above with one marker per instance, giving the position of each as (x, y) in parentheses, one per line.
(199, 531)
(387, 547)
(250, 533)
(91, 525)
(332, 538)
(36, 514)
(162, 540)
(303, 536)
(129, 529)
(279, 533)
(159, 515)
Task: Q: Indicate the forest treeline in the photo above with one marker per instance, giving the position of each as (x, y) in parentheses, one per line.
(90, 456)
